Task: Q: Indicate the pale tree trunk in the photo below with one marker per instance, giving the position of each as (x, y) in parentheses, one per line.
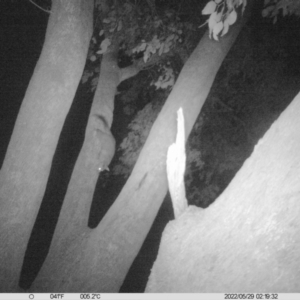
(72, 232)
(98, 260)
(248, 240)
(47, 101)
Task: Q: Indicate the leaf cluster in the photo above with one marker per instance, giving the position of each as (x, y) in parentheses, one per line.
(272, 8)
(138, 30)
(223, 13)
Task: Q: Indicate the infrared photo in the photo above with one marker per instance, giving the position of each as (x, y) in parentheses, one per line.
(149, 146)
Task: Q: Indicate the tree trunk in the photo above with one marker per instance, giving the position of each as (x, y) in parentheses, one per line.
(249, 238)
(98, 260)
(71, 233)
(28, 159)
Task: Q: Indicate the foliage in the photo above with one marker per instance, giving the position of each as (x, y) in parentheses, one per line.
(148, 39)
(223, 13)
(137, 30)
(288, 7)
(166, 79)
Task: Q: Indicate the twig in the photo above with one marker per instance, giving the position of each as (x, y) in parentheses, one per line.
(45, 10)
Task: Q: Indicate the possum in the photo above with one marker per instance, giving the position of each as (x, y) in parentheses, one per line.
(105, 143)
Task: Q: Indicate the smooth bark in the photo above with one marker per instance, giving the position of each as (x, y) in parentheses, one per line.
(248, 240)
(71, 233)
(47, 100)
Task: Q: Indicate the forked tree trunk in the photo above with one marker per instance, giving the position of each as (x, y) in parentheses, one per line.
(71, 232)
(122, 231)
(47, 101)
(248, 240)
(98, 260)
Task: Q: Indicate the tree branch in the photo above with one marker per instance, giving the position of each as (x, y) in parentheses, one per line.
(45, 10)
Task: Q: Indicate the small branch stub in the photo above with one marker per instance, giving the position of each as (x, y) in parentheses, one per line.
(176, 159)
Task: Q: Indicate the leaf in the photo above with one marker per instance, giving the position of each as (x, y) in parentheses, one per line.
(218, 16)
(168, 83)
(143, 46)
(226, 27)
(157, 84)
(146, 56)
(157, 23)
(217, 29)
(86, 75)
(209, 8)
(101, 32)
(265, 12)
(170, 37)
(120, 25)
(244, 6)
(230, 5)
(106, 21)
(284, 10)
(167, 48)
(161, 49)
(155, 43)
(140, 48)
(127, 8)
(212, 23)
(104, 46)
(232, 17)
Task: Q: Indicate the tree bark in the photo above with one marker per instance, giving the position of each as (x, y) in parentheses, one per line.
(249, 238)
(47, 100)
(71, 233)
(98, 260)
